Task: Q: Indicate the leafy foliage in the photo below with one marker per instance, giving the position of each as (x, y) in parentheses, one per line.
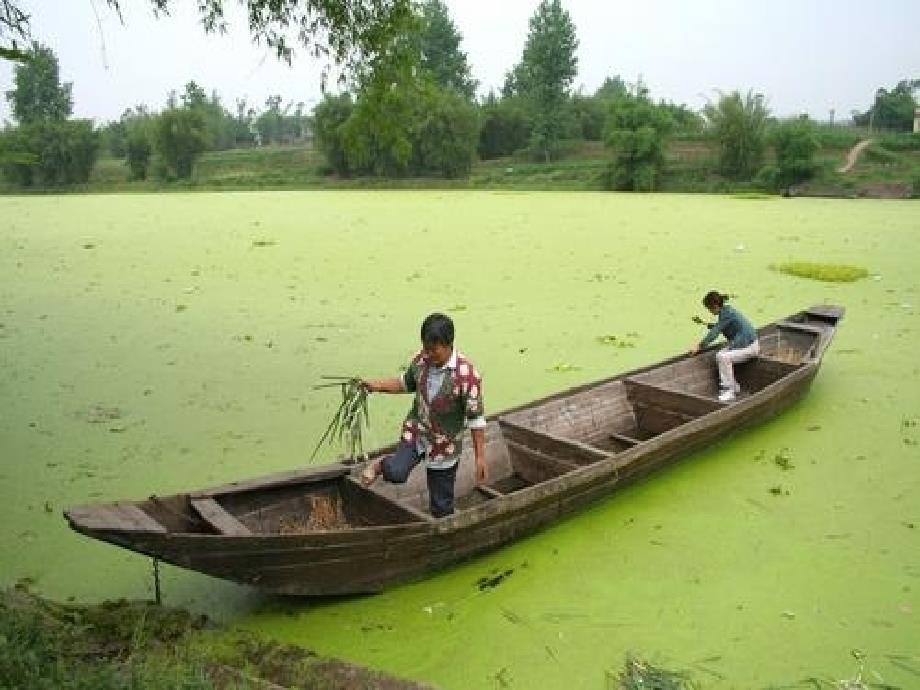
(894, 109)
(505, 127)
(179, 137)
(38, 93)
(414, 130)
(901, 142)
(796, 143)
(46, 149)
(139, 148)
(637, 132)
(545, 74)
(402, 122)
(49, 153)
(738, 124)
(329, 117)
(350, 33)
(439, 50)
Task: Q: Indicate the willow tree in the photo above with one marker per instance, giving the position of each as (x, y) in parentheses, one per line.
(344, 32)
(739, 124)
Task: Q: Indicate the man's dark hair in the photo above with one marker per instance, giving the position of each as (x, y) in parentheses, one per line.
(437, 329)
(714, 299)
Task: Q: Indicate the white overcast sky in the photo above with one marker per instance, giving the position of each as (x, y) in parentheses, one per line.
(803, 55)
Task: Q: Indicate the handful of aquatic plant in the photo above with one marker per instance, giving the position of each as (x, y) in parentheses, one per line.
(350, 418)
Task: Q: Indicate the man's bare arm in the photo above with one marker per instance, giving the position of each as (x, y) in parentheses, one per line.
(391, 385)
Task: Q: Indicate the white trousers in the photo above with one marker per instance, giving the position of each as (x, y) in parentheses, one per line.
(727, 358)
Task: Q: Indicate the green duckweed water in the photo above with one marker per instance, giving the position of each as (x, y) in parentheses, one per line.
(167, 342)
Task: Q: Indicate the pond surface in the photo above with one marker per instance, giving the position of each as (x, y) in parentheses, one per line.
(159, 343)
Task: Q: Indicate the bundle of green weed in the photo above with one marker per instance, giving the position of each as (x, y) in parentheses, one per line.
(350, 418)
(641, 675)
(828, 273)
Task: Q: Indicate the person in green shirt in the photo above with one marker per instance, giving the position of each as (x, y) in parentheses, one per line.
(741, 337)
(448, 400)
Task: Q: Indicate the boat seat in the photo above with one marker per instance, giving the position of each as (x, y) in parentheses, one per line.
(488, 491)
(115, 517)
(682, 403)
(214, 514)
(622, 438)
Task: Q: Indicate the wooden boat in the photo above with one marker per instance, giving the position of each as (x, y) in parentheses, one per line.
(318, 531)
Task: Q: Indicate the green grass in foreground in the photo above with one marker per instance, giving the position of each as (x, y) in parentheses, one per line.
(122, 645)
(829, 273)
(138, 645)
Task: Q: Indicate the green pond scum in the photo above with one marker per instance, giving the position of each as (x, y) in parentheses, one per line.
(829, 273)
(108, 392)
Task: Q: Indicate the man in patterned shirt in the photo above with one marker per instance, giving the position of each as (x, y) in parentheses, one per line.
(448, 398)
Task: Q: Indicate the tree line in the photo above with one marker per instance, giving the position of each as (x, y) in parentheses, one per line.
(411, 110)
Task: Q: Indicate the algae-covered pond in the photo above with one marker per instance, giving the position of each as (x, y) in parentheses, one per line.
(157, 343)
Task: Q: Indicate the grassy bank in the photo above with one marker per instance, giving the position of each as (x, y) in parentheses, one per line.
(889, 168)
(142, 646)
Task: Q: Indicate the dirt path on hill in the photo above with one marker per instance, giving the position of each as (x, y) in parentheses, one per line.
(854, 154)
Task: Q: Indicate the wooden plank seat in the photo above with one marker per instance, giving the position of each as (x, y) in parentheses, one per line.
(570, 451)
(488, 491)
(682, 403)
(623, 438)
(116, 517)
(214, 514)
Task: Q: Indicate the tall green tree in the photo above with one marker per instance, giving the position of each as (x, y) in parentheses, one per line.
(545, 74)
(637, 132)
(38, 93)
(329, 116)
(138, 127)
(738, 124)
(445, 134)
(179, 138)
(439, 50)
(796, 143)
(46, 149)
(892, 109)
(404, 123)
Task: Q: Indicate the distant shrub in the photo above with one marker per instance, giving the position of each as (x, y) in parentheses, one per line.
(768, 177)
(829, 273)
(558, 150)
(831, 137)
(877, 154)
(796, 144)
(49, 153)
(901, 142)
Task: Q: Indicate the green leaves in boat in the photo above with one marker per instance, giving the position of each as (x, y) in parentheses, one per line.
(350, 419)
